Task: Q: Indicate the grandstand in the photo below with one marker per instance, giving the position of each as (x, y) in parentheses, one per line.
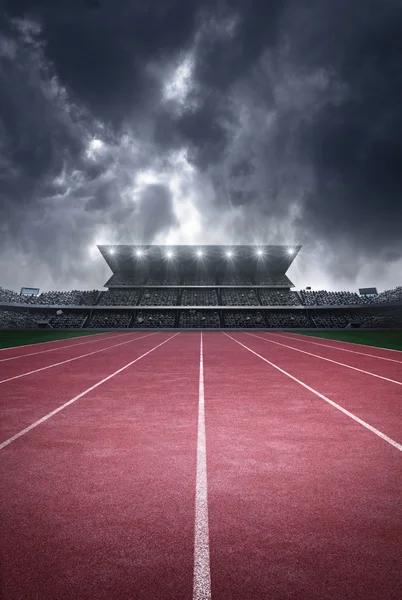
(211, 287)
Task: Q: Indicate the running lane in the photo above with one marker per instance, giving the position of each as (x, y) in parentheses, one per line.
(31, 362)
(304, 504)
(385, 352)
(25, 400)
(376, 401)
(99, 500)
(386, 368)
(53, 344)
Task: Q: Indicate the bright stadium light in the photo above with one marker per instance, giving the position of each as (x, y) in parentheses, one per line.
(169, 254)
(139, 252)
(259, 252)
(111, 251)
(290, 251)
(229, 254)
(200, 253)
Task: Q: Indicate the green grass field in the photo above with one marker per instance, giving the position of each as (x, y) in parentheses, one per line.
(384, 339)
(20, 338)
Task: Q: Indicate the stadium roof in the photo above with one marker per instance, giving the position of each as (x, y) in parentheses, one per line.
(269, 259)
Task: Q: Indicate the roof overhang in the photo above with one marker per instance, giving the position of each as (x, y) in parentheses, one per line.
(270, 259)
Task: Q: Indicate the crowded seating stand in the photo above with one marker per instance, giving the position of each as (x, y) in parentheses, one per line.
(168, 296)
(202, 307)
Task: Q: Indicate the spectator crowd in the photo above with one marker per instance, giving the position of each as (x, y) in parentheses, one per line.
(199, 297)
(199, 318)
(324, 298)
(239, 297)
(159, 297)
(56, 307)
(110, 319)
(279, 297)
(243, 319)
(155, 319)
(119, 298)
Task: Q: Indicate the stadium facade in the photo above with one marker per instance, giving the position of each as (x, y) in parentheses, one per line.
(210, 287)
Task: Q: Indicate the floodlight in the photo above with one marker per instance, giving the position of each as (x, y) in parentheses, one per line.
(200, 253)
(229, 253)
(290, 251)
(259, 252)
(111, 250)
(139, 252)
(169, 254)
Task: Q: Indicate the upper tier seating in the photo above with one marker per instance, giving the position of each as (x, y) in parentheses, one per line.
(279, 298)
(273, 280)
(239, 297)
(234, 279)
(199, 297)
(198, 279)
(159, 297)
(393, 295)
(324, 298)
(125, 279)
(73, 297)
(119, 298)
(10, 297)
(164, 279)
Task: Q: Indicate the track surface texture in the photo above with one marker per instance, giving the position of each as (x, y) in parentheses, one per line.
(197, 466)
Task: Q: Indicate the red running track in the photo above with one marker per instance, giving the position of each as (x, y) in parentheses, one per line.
(378, 351)
(25, 400)
(13, 366)
(359, 358)
(304, 503)
(376, 401)
(98, 501)
(51, 345)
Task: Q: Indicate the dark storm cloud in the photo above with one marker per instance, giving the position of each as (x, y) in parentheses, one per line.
(292, 117)
(35, 137)
(355, 145)
(100, 55)
(338, 150)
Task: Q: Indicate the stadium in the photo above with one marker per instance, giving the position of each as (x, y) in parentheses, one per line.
(210, 287)
(200, 300)
(199, 429)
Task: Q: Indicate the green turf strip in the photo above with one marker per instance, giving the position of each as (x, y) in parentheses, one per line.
(20, 338)
(383, 339)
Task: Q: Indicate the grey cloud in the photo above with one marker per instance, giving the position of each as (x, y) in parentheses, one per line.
(155, 212)
(292, 124)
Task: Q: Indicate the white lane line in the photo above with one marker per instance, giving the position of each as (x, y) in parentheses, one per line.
(63, 362)
(202, 570)
(324, 358)
(334, 404)
(350, 343)
(51, 341)
(332, 347)
(61, 348)
(63, 406)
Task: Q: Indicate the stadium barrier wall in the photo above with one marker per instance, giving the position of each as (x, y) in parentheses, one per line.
(102, 330)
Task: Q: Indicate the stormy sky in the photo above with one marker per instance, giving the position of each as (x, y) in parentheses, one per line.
(201, 121)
